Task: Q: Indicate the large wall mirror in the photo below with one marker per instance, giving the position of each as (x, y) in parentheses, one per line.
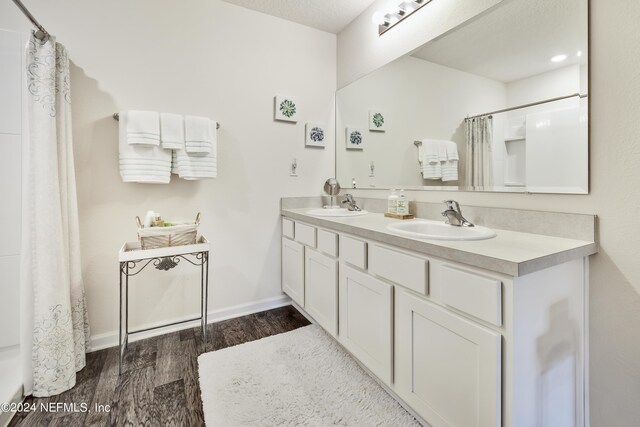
(497, 104)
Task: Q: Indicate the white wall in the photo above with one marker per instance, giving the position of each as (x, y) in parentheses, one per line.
(201, 57)
(614, 155)
(11, 130)
(560, 82)
(421, 100)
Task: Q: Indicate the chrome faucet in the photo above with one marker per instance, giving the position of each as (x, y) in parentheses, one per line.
(350, 202)
(454, 214)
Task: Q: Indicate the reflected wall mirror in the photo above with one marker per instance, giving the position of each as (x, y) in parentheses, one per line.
(499, 103)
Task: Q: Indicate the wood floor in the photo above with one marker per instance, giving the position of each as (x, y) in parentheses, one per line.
(159, 383)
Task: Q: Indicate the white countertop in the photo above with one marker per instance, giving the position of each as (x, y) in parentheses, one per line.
(510, 252)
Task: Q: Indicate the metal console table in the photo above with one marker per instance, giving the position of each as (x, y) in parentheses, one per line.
(133, 260)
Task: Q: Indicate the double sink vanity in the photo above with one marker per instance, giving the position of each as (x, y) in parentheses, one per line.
(465, 326)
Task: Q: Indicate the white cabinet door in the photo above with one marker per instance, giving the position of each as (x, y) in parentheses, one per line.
(321, 289)
(447, 368)
(366, 322)
(293, 270)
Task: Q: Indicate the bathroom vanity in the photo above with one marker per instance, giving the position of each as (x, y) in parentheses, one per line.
(465, 333)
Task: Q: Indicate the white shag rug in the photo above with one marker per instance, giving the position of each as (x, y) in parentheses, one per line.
(302, 377)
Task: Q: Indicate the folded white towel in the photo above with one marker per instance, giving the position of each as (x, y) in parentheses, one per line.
(451, 149)
(431, 165)
(142, 163)
(142, 127)
(171, 131)
(430, 151)
(432, 171)
(450, 167)
(450, 170)
(190, 167)
(439, 160)
(199, 133)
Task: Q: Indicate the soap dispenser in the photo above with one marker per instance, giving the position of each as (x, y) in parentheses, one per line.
(392, 202)
(402, 204)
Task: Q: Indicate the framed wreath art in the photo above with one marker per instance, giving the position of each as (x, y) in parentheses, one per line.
(377, 121)
(286, 109)
(355, 139)
(316, 135)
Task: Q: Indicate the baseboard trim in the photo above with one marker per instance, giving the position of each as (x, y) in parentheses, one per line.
(110, 339)
(5, 417)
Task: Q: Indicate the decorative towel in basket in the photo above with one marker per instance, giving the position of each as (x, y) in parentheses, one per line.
(162, 237)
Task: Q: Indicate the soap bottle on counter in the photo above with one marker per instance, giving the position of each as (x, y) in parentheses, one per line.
(392, 202)
(402, 204)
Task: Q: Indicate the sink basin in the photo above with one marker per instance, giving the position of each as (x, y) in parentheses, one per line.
(335, 212)
(438, 230)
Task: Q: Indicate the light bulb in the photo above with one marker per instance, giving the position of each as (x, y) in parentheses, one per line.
(378, 18)
(559, 58)
(408, 6)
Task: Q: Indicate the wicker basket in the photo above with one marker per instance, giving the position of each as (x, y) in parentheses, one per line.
(162, 237)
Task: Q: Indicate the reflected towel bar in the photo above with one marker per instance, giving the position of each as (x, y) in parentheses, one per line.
(116, 116)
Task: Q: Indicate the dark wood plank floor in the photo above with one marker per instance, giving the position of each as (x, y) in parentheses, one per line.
(159, 384)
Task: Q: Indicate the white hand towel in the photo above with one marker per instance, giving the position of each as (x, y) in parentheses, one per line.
(431, 166)
(430, 151)
(432, 171)
(171, 131)
(142, 127)
(452, 150)
(442, 150)
(450, 166)
(191, 167)
(450, 170)
(142, 163)
(199, 133)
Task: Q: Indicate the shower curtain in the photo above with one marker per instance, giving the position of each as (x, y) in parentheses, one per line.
(56, 313)
(479, 165)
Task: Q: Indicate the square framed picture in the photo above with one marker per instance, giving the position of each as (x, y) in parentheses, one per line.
(355, 139)
(315, 135)
(286, 108)
(377, 121)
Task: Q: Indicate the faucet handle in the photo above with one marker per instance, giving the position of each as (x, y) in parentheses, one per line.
(452, 204)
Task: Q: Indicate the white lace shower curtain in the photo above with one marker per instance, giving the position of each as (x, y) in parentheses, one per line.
(479, 165)
(56, 312)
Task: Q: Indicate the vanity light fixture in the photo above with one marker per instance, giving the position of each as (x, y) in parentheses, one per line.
(559, 58)
(386, 20)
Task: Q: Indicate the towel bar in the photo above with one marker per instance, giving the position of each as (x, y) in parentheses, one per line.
(116, 116)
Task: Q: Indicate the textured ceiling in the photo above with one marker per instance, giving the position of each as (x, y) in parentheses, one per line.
(327, 15)
(514, 40)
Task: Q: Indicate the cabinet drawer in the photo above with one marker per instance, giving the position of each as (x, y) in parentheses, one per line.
(287, 228)
(305, 234)
(328, 243)
(406, 270)
(353, 251)
(477, 295)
